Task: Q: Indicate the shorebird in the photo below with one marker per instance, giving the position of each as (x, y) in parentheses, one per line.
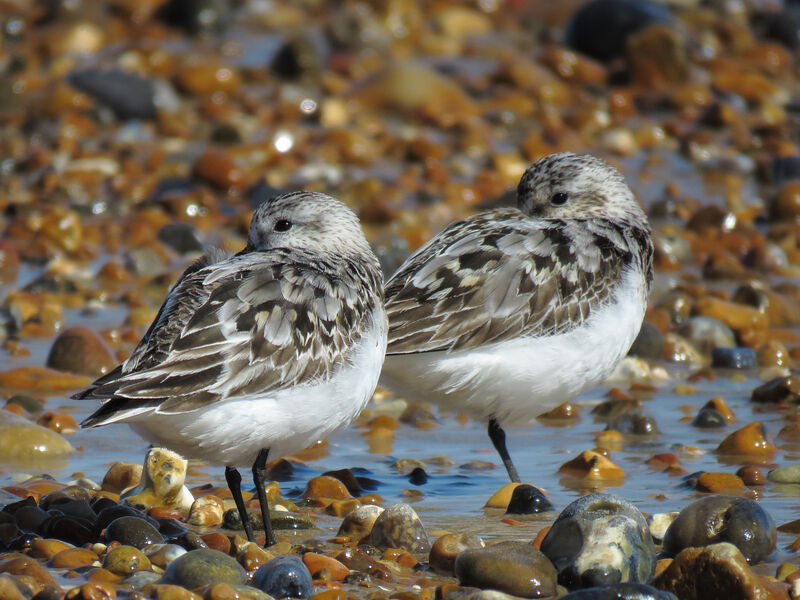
(511, 312)
(261, 353)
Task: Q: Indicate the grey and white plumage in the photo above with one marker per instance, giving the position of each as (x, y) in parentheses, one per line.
(511, 312)
(270, 349)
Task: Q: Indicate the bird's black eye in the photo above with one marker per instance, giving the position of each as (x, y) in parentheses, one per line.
(559, 199)
(283, 225)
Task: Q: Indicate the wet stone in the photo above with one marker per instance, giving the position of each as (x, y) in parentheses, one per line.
(124, 560)
(128, 95)
(634, 422)
(620, 591)
(446, 548)
(781, 390)
(12, 588)
(181, 237)
(162, 555)
(787, 474)
(739, 521)
(81, 351)
(734, 358)
(73, 558)
(708, 418)
(752, 475)
(707, 333)
(279, 520)
(649, 343)
(22, 440)
(358, 523)
(120, 476)
(203, 567)
(527, 500)
(284, 577)
(418, 476)
(399, 527)
(600, 539)
(716, 571)
(133, 531)
(516, 568)
(348, 478)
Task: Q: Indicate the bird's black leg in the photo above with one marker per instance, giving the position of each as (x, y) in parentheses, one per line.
(235, 486)
(498, 437)
(259, 475)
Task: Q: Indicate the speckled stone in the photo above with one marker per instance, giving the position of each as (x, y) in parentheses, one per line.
(400, 527)
(516, 568)
(600, 539)
(203, 567)
(357, 524)
(284, 577)
(714, 519)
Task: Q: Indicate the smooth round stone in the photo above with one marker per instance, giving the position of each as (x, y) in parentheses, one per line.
(787, 474)
(418, 476)
(708, 418)
(734, 358)
(516, 568)
(400, 527)
(279, 520)
(601, 28)
(620, 591)
(12, 588)
(22, 440)
(751, 475)
(782, 390)
(634, 422)
(203, 567)
(358, 524)
(446, 548)
(527, 500)
(81, 351)
(133, 531)
(120, 476)
(127, 94)
(162, 555)
(72, 558)
(140, 579)
(715, 519)
(600, 539)
(649, 343)
(707, 333)
(124, 560)
(284, 577)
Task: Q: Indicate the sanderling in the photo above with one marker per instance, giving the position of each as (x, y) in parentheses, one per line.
(262, 353)
(513, 311)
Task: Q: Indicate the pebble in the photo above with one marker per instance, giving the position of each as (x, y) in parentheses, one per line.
(206, 511)
(751, 440)
(326, 487)
(787, 474)
(358, 524)
(316, 562)
(124, 560)
(161, 555)
(706, 334)
(592, 466)
(620, 591)
(600, 539)
(751, 475)
(526, 500)
(181, 237)
(446, 548)
(80, 351)
(400, 527)
(780, 390)
(73, 558)
(121, 476)
(204, 567)
(21, 440)
(133, 531)
(716, 571)
(251, 556)
(739, 521)
(127, 94)
(649, 343)
(516, 568)
(708, 418)
(734, 358)
(284, 577)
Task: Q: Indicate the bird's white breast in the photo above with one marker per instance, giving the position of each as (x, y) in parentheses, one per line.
(514, 381)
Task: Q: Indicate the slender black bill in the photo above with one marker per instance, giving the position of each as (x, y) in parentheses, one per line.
(259, 475)
(498, 437)
(234, 480)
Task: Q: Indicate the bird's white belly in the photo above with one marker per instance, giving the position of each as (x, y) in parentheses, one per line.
(233, 431)
(516, 380)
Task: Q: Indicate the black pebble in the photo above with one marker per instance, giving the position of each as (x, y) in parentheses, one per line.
(527, 500)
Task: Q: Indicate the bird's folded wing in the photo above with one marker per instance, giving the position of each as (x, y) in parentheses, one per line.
(250, 325)
(501, 275)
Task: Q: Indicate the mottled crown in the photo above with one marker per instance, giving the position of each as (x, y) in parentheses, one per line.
(307, 221)
(572, 186)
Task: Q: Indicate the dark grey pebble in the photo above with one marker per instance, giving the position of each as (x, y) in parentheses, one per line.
(601, 28)
(279, 520)
(128, 95)
(201, 567)
(620, 591)
(133, 531)
(399, 527)
(30, 518)
(115, 511)
(284, 577)
(516, 568)
(197, 16)
(634, 422)
(527, 500)
(713, 519)
(68, 529)
(348, 478)
(181, 237)
(649, 343)
(708, 418)
(780, 390)
(600, 539)
(734, 358)
(418, 476)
